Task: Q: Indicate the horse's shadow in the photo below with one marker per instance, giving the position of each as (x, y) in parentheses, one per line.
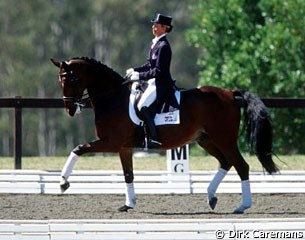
(280, 213)
(183, 213)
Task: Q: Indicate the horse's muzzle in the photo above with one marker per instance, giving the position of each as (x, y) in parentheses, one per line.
(70, 107)
(71, 111)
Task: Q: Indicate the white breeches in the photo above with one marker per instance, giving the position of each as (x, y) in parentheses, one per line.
(149, 95)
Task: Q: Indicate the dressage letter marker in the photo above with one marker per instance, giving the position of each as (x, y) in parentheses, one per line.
(178, 159)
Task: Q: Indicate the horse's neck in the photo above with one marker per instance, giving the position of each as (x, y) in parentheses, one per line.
(112, 92)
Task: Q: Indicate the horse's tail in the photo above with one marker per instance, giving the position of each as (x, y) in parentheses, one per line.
(258, 129)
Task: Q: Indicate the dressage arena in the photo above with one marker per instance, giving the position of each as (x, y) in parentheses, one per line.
(167, 207)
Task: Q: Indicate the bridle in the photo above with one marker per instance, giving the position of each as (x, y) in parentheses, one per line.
(72, 79)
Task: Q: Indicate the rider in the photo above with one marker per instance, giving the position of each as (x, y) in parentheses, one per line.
(156, 71)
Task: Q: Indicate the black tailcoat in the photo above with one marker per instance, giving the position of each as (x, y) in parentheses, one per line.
(158, 67)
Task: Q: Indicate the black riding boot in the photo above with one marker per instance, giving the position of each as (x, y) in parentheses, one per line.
(153, 141)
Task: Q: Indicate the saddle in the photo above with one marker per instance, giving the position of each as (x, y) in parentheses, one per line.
(166, 112)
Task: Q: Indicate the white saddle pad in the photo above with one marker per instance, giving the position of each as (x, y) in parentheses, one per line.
(171, 117)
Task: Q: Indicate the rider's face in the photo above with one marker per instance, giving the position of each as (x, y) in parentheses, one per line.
(158, 29)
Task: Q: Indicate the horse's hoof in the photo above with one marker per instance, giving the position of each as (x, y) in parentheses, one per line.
(213, 202)
(240, 210)
(64, 185)
(124, 208)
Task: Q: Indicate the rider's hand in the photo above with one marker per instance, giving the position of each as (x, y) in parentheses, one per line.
(135, 76)
(129, 71)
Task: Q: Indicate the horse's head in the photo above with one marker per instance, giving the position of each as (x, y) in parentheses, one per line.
(71, 85)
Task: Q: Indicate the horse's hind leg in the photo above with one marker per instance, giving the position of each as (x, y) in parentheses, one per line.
(242, 168)
(222, 171)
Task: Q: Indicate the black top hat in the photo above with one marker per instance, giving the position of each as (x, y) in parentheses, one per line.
(164, 20)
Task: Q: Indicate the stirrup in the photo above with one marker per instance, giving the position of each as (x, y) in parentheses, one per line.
(156, 142)
(153, 143)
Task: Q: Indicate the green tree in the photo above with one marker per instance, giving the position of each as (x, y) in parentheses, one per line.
(259, 46)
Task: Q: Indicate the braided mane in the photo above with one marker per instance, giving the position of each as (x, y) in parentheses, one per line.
(101, 68)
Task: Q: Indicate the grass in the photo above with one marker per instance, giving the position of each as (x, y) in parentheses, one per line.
(153, 162)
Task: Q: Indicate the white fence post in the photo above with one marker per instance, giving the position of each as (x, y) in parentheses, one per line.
(178, 160)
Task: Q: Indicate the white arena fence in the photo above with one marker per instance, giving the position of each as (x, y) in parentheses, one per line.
(149, 182)
(146, 182)
(153, 229)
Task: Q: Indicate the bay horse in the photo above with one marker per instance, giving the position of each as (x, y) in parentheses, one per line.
(209, 116)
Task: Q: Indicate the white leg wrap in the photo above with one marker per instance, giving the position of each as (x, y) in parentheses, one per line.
(219, 176)
(246, 194)
(246, 197)
(130, 195)
(67, 169)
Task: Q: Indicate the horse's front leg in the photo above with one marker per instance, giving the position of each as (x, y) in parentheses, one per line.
(68, 167)
(100, 145)
(127, 164)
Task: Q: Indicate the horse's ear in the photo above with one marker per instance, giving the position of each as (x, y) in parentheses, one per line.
(63, 64)
(56, 63)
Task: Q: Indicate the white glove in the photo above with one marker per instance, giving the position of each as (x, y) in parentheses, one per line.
(135, 76)
(129, 71)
